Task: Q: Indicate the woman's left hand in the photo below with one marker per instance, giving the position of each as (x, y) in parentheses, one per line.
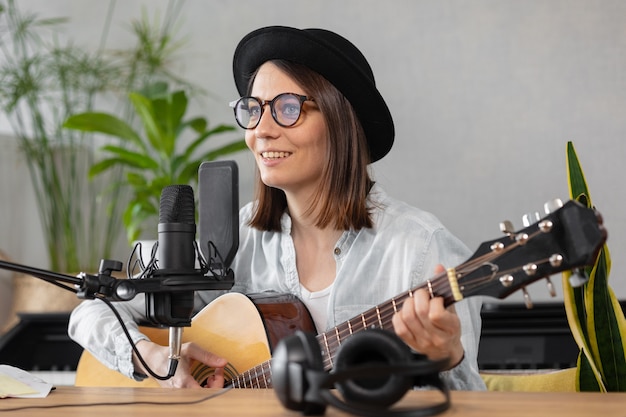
(428, 327)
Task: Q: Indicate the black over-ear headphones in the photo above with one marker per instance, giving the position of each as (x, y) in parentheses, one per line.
(373, 369)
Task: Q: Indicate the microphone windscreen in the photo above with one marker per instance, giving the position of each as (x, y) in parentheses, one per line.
(177, 205)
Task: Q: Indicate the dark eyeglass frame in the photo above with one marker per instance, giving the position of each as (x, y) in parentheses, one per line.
(301, 99)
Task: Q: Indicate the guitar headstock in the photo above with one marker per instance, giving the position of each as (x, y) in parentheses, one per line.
(568, 238)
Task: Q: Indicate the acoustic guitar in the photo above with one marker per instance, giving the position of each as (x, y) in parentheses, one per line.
(244, 329)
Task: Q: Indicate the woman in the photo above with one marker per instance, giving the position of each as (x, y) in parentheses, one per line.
(319, 227)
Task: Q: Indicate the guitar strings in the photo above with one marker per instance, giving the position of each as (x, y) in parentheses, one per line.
(260, 372)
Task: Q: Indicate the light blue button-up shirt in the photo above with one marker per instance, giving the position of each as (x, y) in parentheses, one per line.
(373, 265)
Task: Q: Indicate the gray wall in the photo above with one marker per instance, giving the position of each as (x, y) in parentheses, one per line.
(485, 95)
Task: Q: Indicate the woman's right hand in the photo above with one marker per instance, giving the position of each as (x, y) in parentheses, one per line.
(157, 358)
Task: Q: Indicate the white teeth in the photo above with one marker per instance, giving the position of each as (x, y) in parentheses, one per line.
(275, 155)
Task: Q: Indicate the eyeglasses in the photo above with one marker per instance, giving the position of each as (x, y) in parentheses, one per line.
(285, 109)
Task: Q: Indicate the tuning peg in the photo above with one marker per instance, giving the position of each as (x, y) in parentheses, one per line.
(530, 218)
(556, 260)
(530, 269)
(506, 227)
(552, 206)
(578, 278)
(551, 289)
(527, 300)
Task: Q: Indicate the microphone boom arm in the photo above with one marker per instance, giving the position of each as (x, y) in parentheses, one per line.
(52, 277)
(103, 285)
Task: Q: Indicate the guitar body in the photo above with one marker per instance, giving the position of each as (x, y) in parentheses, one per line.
(240, 328)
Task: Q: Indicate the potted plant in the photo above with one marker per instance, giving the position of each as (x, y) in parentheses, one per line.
(593, 312)
(595, 318)
(43, 80)
(156, 156)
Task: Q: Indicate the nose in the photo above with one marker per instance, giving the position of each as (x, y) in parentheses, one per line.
(267, 126)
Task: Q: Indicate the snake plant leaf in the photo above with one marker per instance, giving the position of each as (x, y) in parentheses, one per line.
(589, 377)
(595, 316)
(586, 375)
(576, 177)
(606, 326)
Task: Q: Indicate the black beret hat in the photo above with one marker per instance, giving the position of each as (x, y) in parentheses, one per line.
(333, 57)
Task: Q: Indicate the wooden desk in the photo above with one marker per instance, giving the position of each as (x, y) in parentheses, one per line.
(253, 402)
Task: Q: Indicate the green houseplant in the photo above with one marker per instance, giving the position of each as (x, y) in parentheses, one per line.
(44, 78)
(158, 157)
(595, 318)
(594, 314)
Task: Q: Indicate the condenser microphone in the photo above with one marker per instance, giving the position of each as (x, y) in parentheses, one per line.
(177, 252)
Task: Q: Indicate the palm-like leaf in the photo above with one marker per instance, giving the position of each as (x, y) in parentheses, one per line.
(152, 159)
(106, 124)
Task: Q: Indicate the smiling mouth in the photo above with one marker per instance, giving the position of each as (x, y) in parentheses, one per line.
(275, 155)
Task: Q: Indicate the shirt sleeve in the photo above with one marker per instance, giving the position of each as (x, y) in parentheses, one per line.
(94, 326)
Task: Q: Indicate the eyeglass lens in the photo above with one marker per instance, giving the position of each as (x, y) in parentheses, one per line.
(285, 109)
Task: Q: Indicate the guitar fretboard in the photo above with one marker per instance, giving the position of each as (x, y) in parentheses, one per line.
(379, 317)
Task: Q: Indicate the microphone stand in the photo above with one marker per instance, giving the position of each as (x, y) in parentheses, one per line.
(108, 288)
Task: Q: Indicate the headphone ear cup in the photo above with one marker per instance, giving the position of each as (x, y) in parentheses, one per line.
(292, 358)
(373, 347)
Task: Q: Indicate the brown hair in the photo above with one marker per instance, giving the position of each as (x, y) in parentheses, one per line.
(340, 200)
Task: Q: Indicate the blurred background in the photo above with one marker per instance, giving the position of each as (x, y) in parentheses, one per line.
(485, 95)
